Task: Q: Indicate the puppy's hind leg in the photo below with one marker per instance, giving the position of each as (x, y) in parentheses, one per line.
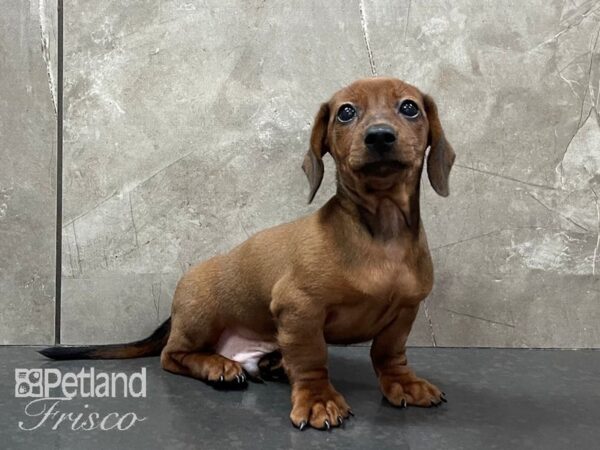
(212, 368)
(271, 368)
(190, 350)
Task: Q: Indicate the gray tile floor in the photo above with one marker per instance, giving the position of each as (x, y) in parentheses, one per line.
(498, 399)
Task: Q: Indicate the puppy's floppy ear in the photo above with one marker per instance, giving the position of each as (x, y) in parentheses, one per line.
(313, 160)
(441, 155)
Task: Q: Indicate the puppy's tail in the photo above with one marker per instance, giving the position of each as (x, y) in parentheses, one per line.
(151, 346)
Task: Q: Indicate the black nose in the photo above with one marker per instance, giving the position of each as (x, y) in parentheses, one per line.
(380, 138)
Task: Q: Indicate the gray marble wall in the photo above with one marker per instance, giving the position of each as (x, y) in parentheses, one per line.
(27, 170)
(186, 123)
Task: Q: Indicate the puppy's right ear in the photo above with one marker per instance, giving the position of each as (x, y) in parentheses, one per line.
(313, 160)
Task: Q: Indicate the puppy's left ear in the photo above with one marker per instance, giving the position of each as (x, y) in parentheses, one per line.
(441, 155)
(313, 160)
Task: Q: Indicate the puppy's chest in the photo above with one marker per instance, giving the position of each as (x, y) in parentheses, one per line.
(392, 272)
(374, 295)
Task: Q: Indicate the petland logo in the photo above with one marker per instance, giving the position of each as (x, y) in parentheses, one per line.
(50, 389)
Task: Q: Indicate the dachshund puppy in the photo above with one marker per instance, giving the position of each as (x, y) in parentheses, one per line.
(355, 270)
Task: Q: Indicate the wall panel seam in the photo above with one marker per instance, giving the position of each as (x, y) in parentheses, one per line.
(59, 176)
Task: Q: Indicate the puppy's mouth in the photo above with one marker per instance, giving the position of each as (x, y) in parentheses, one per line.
(382, 169)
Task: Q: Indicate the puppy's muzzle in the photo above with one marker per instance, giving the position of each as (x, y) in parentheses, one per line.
(380, 138)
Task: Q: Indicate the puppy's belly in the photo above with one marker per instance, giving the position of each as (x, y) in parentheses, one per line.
(245, 347)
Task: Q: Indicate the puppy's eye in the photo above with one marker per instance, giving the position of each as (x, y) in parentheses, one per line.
(346, 113)
(409, 109)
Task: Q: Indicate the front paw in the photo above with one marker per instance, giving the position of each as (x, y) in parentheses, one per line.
(317, 404)
(408, 389)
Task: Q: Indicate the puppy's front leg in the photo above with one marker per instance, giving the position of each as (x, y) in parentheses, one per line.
(300, 324)
(397, 381)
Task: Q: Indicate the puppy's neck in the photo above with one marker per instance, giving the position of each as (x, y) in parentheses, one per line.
(391, 218)
(386, 215)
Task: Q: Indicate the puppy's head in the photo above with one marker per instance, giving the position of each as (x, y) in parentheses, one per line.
(377, 130)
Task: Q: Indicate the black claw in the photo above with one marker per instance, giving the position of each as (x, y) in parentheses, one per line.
(340, 420)
(403, 403)
(302, 425)
(327, 426)
(350, 412)
(221, 379)
(443, 397)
